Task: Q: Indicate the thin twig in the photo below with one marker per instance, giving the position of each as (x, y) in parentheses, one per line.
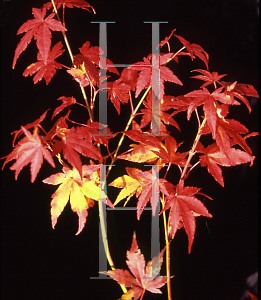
(71, 56)
(192, 151)
(127, 127)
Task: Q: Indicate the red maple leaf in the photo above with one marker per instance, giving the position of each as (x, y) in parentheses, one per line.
(46, 69)
(179, 103)
(73, 141)
(143, 137)
(34, 124)
(208, 77)
(239, 90)
(214, 157)
(166, 40)
(164, 117)
(84, 71)
(212, 108)
(67, 101)
(142, 278)
(129, 77)
(30, 149)
(39, 28)
(227, 129)
(183, 208)
(168, 152)
(93, 54)
(118, 92)
(94, 129)
(162, 73)
(144, 151)
(194, 50)
(70, 4)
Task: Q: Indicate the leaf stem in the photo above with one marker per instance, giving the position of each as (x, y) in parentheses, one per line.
(192, 151)
(141, 297)
(175, 54)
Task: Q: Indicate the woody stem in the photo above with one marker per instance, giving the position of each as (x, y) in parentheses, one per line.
(105, 242)
(167, 242)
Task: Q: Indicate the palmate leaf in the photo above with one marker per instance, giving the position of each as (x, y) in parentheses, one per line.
(141, 183)
(213, 157)
(84, 71)
(39, 28)
(85, 65)
(80, 191)
(142, 137)
(164, 117)
(77, 140)
(129, 77)
(180, 103)
(210, 106)
(93, 54)
(229, 128)
(34, 124)
(118, 92)
(239, 91)
(194, 50)
(162, 73)
(70, 4)
(31, 150)
(142, 278)
(140, 153)
(168, 152)
(208, 77)
(183, 208)
(67, 101)
(46, 69)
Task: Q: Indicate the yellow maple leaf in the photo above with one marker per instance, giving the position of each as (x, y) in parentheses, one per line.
(129, 186)
(81, 192)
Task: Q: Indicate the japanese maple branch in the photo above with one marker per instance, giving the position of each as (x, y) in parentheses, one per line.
(105, 242)
(71, 56)
(102, 219)
(127, 127)
(167, 242)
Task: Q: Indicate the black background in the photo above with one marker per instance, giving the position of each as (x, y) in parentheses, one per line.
(41, 263)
